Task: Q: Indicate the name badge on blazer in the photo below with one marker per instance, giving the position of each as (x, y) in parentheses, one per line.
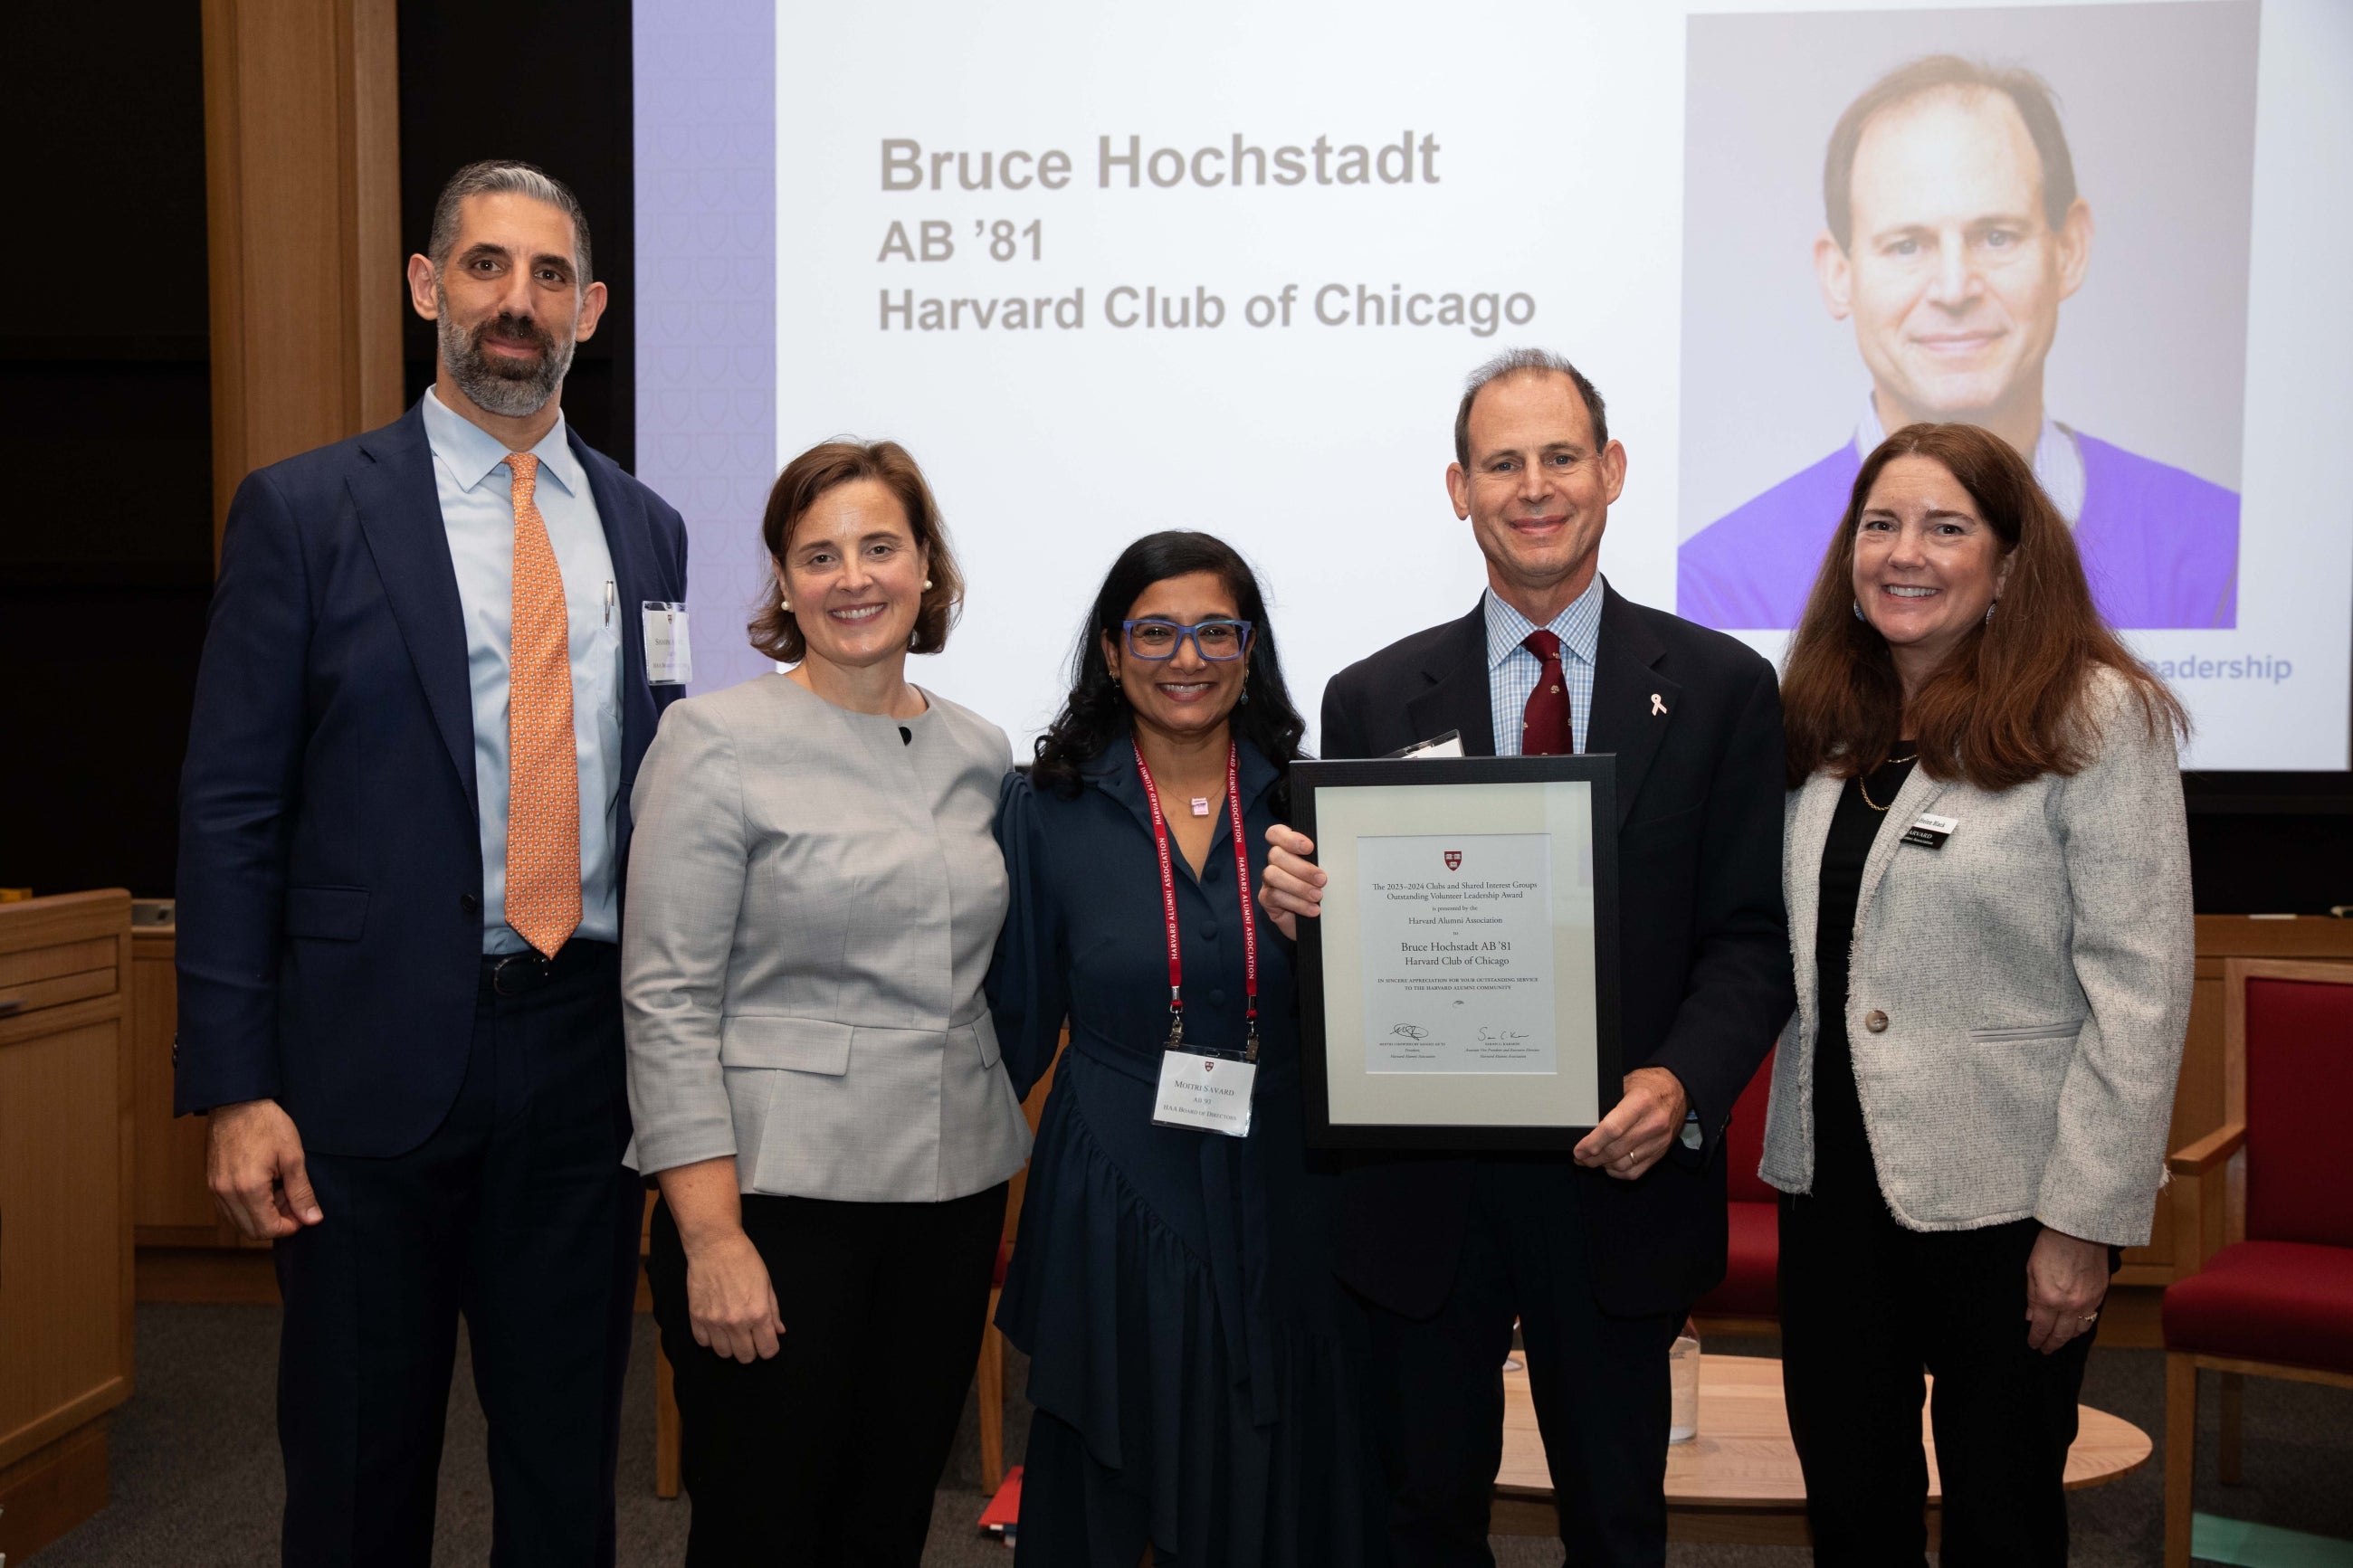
(1930, 832)
(669, 657)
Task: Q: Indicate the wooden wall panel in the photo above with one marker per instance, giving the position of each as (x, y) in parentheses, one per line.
(61, 1335)
(66, 1173)
(302, 173)
(172, 1207)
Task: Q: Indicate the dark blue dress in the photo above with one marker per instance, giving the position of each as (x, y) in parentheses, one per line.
(1173, 1288)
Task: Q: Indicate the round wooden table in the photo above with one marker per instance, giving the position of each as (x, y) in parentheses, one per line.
(1738, 1481)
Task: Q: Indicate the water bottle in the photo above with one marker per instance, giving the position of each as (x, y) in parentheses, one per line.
(1682, 1384)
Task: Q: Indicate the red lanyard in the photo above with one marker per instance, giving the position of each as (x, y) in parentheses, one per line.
(1168, 899)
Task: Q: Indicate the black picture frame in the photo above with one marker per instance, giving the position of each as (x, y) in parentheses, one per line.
(1598, 770)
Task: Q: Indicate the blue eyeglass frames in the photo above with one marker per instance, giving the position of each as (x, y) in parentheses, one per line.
(1216, 641)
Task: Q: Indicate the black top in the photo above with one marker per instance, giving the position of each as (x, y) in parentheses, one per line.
(1843, 1164)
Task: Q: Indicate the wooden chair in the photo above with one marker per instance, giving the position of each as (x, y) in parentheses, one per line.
(666, 1482)
(2274, 1295)
(990, 1380)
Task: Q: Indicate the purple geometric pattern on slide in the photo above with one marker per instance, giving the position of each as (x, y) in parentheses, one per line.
(706, 216)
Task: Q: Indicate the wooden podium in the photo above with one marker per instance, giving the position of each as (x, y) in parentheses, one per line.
(186, 1251)
(66, 1329)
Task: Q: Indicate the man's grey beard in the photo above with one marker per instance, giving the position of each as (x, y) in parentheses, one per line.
(500, 387)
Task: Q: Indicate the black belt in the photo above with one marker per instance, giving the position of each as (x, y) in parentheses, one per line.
(521, 973)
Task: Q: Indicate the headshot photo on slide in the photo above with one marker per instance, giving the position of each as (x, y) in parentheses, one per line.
(2032, 219)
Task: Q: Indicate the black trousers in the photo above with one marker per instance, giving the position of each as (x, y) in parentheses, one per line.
(1599, 1385)
(1867, 1305)
(516, 1215)
(831, 1452)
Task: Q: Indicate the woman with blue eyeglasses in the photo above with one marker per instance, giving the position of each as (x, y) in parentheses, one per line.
(1193, 1364)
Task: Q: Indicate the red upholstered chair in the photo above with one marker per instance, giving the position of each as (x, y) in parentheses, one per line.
(2276, 1300)
(1748, 1301)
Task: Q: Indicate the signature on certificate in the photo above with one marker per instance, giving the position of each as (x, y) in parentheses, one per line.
(1490, 1035)
(1410, 1032)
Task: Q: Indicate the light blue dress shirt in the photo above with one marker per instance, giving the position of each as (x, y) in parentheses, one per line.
(476, 491)
(1512, 669)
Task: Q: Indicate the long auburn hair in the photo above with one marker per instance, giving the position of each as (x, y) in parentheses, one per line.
(2010, 703)
(1096, 712)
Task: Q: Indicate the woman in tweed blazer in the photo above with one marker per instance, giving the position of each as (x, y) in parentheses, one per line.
(1987, 875)
(814, 891)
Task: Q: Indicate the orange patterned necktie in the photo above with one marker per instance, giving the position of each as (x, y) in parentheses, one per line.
(542, 764)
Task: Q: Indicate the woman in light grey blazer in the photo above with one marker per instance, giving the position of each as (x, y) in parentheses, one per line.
(815, 890)
(1988, 875)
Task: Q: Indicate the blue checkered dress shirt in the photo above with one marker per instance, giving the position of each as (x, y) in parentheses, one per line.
(1512, 669)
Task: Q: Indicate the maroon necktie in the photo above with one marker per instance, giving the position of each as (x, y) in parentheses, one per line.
(1545, 731)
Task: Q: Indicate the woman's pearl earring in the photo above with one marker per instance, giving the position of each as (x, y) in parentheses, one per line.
(1858, 611)
(927, 585)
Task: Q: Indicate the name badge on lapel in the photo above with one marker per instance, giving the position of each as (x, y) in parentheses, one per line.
(1449, 744)
(1205, 1093)
(1930, 832)
(669, 658)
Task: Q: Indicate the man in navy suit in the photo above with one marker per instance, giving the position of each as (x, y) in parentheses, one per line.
(419, 1104)
(1599, 1254)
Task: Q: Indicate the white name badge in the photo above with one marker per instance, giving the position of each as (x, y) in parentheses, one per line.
(1449, 744)
(669, 658)
(1207, 1094)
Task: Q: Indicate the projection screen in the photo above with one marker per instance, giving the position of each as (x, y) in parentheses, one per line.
(1109, 269)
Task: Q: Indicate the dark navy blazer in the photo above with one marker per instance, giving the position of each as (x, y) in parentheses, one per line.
(1694, 719)
(331, 865)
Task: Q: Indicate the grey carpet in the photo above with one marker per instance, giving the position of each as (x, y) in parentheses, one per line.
(197, 1477)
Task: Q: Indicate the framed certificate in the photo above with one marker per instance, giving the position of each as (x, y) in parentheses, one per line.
(1460, 990)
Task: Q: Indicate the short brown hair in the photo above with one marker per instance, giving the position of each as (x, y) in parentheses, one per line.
(2010, 703)
(2036, 105)
(775, 631)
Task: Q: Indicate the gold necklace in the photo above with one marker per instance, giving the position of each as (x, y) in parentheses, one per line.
(1863, 785)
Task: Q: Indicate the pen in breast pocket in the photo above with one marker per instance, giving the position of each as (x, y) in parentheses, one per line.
(610, 599)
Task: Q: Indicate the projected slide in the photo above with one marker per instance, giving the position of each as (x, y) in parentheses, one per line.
(1107, 271)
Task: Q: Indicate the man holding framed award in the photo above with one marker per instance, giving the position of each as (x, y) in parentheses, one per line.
(1630, 867)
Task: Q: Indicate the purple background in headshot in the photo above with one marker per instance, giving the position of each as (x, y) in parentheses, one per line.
(706, 218)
